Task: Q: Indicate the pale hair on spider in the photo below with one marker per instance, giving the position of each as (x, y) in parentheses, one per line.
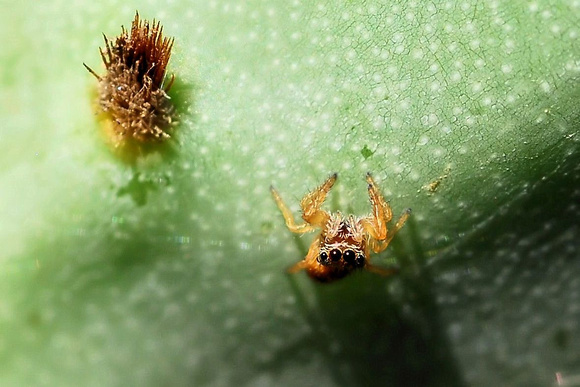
(345, 242)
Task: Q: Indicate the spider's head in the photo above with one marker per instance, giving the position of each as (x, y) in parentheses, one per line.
(343, 243)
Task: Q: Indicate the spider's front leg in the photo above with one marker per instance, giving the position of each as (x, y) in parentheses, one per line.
(376, 224)
(287, 214)
(312, 202)
(312, 214)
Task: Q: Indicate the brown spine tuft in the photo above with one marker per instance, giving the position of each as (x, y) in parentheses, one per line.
(132, 91)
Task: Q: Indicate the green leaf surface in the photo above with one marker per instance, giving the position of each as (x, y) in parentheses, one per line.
(168, 269)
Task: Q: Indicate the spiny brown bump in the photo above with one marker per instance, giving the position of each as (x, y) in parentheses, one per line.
(132, 92)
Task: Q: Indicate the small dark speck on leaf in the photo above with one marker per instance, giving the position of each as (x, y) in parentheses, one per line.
(366, 152)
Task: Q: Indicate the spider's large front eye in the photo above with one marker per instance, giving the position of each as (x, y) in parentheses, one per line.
(335, 255)
(349, 257)
(323, 258)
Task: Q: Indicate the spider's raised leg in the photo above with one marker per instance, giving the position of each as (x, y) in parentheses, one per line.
(312, 202)
(376, 224)
(287, 214)
(380, 245)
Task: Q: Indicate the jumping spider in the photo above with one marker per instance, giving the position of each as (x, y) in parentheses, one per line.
(345, 242)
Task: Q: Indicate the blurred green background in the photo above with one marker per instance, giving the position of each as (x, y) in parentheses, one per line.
(168, 270)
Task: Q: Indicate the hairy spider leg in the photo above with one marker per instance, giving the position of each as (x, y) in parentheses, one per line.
(313, 217)
(312, 202)
(311, 213)
(376, 224)
(378, 245)
(287, 214)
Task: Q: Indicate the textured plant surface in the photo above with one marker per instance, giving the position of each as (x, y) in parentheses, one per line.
(168, 268)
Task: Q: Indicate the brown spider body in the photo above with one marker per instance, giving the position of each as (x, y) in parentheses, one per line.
(345, 242)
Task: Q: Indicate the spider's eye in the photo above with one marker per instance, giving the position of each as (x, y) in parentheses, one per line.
(323, 258)
(360, 260)
(349, 257)
(335, 255)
